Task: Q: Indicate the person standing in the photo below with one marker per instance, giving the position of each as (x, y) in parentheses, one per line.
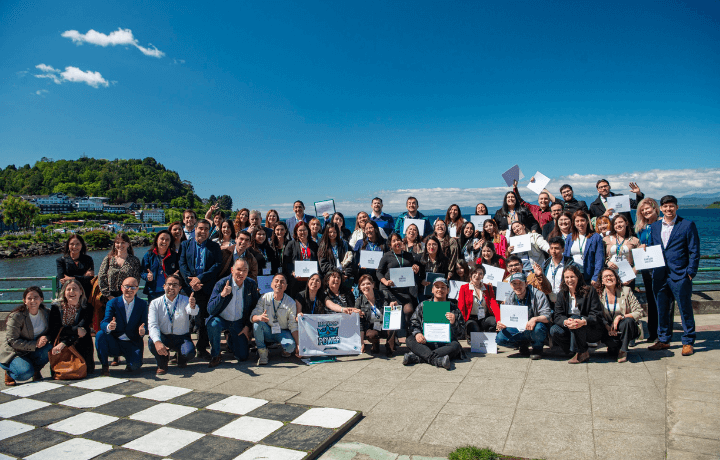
(680, 244)
(384, 221)
(300, 216)
(412, 213)
(556, 210)
(158, 263)
(76, 263)
(540, 211)
(599, 207)
(569, 203)
(648, 212)
(189, 219)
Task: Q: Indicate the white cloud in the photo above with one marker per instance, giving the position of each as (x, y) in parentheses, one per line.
(178, 61)
(42, 92)
(118, 37)
(71, 74)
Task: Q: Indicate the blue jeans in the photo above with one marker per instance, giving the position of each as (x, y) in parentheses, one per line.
(680, 291)
(239, 344)
(263, 335)
(23, 367)
(536, 337)
(107, 345)
(180, 343)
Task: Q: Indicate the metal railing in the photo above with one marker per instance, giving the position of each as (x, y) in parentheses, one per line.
(53, 289)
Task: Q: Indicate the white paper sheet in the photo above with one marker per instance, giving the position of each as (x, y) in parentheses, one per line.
(493, 275)
(479, 221)
(391, 318)
(502, 290)
(625, 271)
(327, 206)
(402, 277)
(541, 182)
(521, 243)
(436, 332)
(619, 203)
(419, 223)
(264, 284)
(514, 316)
(370, 259)
(305, 268)
(483, 342)
(651, 257)
(452, 232)
(455, 288)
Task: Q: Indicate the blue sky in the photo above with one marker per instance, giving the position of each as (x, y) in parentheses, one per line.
(275, 101)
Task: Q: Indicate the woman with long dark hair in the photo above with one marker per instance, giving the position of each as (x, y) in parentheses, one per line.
(492, 233)
(310, 300)
(176, 230)
(619, 244)
(333, 251)
(511, 211)
(488, 256)
(397, 257)
(467, 243)
(300, 248)
(76, 263)
(280, 239)
(586, 248)
(70, 321)
(338, 299)
(433, 260)
(159, 262)
(372, 241)
(622, 313)
(454, 220)
(226, 235)
(448, 245)
(268, 257)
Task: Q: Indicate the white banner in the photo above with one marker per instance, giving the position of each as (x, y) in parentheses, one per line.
(329, 335)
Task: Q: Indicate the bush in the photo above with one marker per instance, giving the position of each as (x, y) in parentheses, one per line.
(98, 239)
(473, 453)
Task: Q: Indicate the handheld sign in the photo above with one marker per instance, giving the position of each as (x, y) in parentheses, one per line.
(493, 275)
(452, 232)
(436, 326)
(455, 289)
(625, 271)
(650, 257)
(327, 206)
(511, 175)
(431, 277)
(391, 318)
(479, 221)
(402, 277)
(305, 268)
(483, 342)
(502, 290)
(419, 223)
(541, 181)
(520, 243)
(619, 203)
(264, 284)
(370, 259)
(514, 316)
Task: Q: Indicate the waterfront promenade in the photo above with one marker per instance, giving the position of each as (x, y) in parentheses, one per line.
(658, 404)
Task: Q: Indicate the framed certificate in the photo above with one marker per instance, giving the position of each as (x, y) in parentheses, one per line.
(402, 277)
(305, 268)
(370, 259)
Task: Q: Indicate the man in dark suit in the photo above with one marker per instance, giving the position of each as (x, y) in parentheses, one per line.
(569, 203)
(680, 244)
(299, 210)
(200, 263)
(556, 210)
(122, 330)
(233, 299)
(599, 206)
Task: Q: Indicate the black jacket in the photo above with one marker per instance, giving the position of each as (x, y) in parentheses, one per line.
(67, 267)
(293, 253)
(382, 299)
(591, 308)
(597, 208)
(523, 215)
(457, 330)
(328, 263)
(573, 205)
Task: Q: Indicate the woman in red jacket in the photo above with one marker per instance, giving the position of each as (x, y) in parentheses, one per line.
(477, 303)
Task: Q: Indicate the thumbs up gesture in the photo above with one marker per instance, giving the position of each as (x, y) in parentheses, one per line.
(264, 316)
(150, 276)
(192, 300)
(141, 331)
(227, 290)
(112, 325)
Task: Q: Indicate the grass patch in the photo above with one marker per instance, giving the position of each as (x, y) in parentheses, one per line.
(476, 453)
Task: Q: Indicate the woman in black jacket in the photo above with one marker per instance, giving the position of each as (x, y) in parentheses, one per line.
(433, 260)
(396, 257)
(71, 318)
(267, 255)
(371, 304)
(301, 248)
(75, 263)
(578, 315)
(372, 241)
(332, 251)
(511, 211)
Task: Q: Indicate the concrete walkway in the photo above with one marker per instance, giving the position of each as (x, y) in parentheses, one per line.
(659, 404)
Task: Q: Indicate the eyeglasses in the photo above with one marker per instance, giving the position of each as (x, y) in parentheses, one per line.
(130, 288)
(172, 284)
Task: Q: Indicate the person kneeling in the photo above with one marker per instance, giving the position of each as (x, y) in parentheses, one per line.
(169, 325)
(438, 354)
(539, 314)
(274, 320)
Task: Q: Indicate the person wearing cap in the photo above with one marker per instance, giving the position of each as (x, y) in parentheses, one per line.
(438, 354)
(515, 265)
(539, 318)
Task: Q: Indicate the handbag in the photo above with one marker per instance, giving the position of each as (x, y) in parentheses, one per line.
(68, 364)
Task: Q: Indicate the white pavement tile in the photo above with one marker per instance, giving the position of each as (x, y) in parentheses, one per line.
(93, 399)
(5, 457)
(240, 405)
(8, 428)
(82, 423)
(20, 406)
(30, 389)
(164, 441)
(325, 417)
(98, 383)
(163, 413)
(72, 449)
(248, 429)
(260, 452)
(163, 393)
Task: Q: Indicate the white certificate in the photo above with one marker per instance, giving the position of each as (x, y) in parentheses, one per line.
(514, 316)
(264, 284)
(650, 257)
(520, 243)
(452, 232)
(455, 288)
(327, 206)
(625, 271)
(619, 203)
(493, 275)
(305, 268)
(541, 181)
(436, 332)
(479, 221)
(402, 277)
(502, 290)
(483, 342)
(419, 223)
(370, 259)
(391, 318)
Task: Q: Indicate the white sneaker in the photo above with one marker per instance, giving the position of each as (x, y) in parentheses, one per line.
(263, 359)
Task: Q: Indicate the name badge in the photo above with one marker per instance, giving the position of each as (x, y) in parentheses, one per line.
(276, 328)
(279, 269)
(578, 259)
(377, 326)
(266, 271)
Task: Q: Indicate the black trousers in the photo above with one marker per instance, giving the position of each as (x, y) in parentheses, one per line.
(627, 331)
(487, 324)
(203, 341)
(431, 350)
(652, 311)
(576, 339)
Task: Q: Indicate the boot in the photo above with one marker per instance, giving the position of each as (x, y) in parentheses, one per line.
(443, 361)
(37, 377)
(410, 358)
(9, 381)
(263, 356)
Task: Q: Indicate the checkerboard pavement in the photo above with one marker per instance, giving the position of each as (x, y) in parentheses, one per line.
(112, 418)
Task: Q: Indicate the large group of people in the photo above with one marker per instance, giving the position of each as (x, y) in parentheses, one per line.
(201, 275)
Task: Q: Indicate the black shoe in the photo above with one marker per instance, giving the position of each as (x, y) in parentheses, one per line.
(524, 350)
(204, 354)
(410, 359)
(443, 362)
(128, 368)
(214, 362)
(536, 353)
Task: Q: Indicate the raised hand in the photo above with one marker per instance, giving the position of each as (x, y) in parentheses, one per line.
(141, 330)
(150, 276)
(191, 301)
(634, 187)
(161, 348)
(227, 290)
(112, 325)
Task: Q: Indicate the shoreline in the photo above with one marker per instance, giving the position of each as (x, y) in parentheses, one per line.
(22, 249)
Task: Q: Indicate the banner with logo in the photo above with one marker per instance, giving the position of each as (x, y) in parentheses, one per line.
(329, 335)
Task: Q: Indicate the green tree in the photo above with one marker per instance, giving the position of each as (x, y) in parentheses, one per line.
(225, 202)
(19, 211)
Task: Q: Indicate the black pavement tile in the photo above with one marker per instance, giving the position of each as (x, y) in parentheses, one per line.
(125, 407)
(280, 412)
(212, 448)
(118, 453)
(60, 394)
(298, 437)
(31, 442)
(198, 399)
(203, 421)
(6, 398)
(46, 415)
(127, 388)
(120, 432)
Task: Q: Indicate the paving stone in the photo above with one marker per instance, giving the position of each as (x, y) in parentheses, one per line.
(281, 412)
(20, 406)
(128, 388)
(118, 453)
(199, 399)
(72, 449)
(125, 407)
(33, 441)
(163, 413)
(31, 389)
(163, 441)
(299, 437)
(203, 421)
(61, 394)
(9, 428)
(120, 432)
(82, 423)
(212, 448)
(47, 415)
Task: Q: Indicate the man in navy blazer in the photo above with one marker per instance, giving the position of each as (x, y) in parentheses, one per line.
(200, 263)
(122, 330)
(680, 244)
(299, 210)
(233, 299)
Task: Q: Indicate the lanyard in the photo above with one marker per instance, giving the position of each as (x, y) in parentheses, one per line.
(314, 302)
(618, 247)
(525, 301)
(335, 252)
(554, 272)
(371, 246)
(607, 305)
(170, 313)
(513, 216)
(400, 260)
(581, 244)
(275, 317)
(375, 311)
(304, 251)
(264, 255)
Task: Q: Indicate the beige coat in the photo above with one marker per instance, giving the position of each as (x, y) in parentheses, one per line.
(627, 305)
(19, 335)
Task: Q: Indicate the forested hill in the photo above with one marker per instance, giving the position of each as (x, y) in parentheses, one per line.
(119, 180)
